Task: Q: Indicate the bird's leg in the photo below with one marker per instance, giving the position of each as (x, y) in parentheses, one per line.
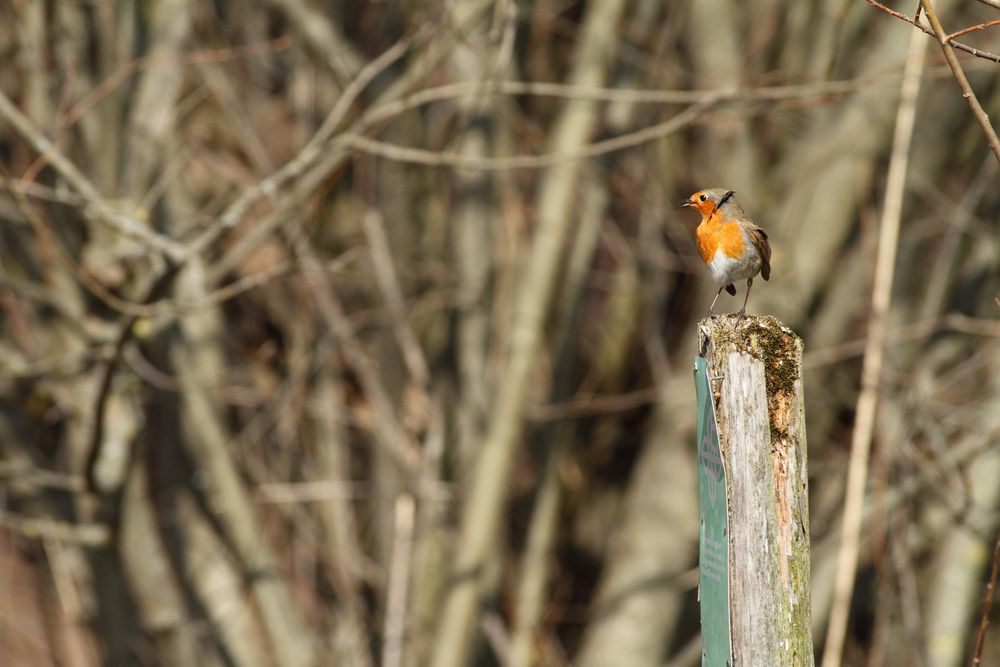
(743, 311)
(712, 307)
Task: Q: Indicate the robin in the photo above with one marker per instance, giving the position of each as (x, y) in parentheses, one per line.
(733, 247)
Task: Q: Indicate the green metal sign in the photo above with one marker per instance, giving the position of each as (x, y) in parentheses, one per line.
(713, 542)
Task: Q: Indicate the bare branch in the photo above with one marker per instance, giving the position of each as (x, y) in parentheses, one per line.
(389, 432)
(449, 159)
(594, 405)
(399, 582)
(984, 620)
(97, 208)
(84, 534)
(963, 82)
(310, 152)
(914, 22)
(388, 283)
(981, 26)
(323, 35)
(447, 91)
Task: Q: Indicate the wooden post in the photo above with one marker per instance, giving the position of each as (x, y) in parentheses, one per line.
(754, 371)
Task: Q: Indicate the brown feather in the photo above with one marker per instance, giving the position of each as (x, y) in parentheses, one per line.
(759, 239)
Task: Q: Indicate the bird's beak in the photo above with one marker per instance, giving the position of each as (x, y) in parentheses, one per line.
(687, 203)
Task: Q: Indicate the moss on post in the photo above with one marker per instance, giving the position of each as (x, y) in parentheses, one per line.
(756, 370)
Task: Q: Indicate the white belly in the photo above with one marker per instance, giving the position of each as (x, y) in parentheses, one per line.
(727, 270)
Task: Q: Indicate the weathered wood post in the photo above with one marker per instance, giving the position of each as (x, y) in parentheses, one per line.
(754, 558)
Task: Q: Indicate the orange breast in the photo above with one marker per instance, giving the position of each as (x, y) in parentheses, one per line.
(713, 233)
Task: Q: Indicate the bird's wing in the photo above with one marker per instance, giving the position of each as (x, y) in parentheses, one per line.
(759, 239)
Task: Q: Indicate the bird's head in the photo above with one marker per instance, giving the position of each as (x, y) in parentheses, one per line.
(708, 201)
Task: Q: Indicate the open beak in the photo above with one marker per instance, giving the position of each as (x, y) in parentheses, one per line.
(687, 203)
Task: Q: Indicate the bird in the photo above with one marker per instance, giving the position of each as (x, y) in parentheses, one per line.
(731, 245)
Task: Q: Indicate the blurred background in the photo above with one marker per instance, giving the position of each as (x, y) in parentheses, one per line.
(361, 333)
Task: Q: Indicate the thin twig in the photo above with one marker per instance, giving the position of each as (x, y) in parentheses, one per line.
(389, 110)
(331, 156)
(857, 474)
(388, 283)
(399, 582)
(958, 45)
(430, 95)
(322, 35)
(39, 191)
(536, 566)
(311, 151)
(389, 431)
(450, 159)
(247, 283)
(963, 82)
(981, 26)
(97, 208)
(118, 77)
(83, 534)
(19, 474)
(459, 89)
(326, 490)
(156, 288)
(587, 406)
(164, 307)
(901, 553)
(907, 333)
(984, 620)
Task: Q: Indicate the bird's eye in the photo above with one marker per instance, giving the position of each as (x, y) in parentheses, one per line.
(703, 198)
